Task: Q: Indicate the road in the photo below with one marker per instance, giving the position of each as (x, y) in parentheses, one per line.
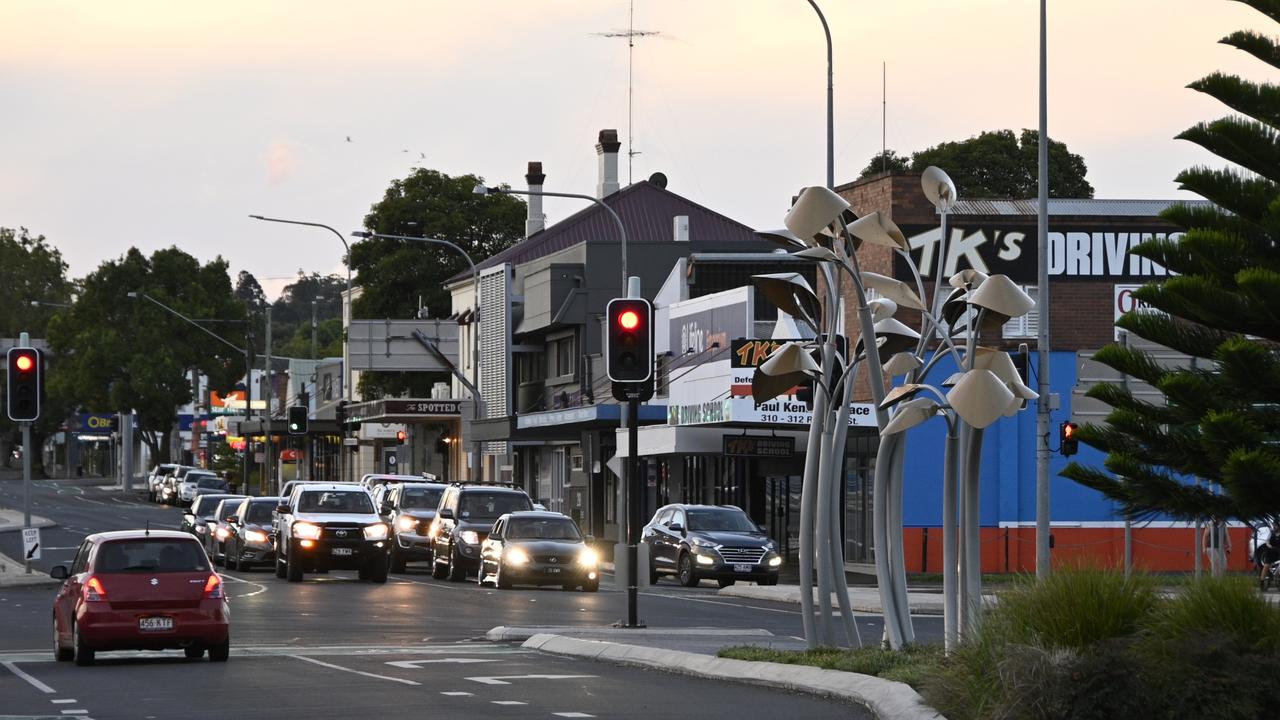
(333, 645)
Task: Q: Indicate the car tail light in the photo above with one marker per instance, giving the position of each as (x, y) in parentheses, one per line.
(93, 590)
(213, 587)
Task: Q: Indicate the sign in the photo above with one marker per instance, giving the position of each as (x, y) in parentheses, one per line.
(759, 446)
(568, 416)
(695, 325)
(95, 423)
(380, 431)
(232, 404)
(351, 442)
(1095, 251)
(1125, 302)
(421, 407)
(392, 346)
(31, 543)
(780, 411)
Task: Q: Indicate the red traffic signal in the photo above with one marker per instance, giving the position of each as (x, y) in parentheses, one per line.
(1067, 441)
(401, 435)
(25, 384)
(628, 341)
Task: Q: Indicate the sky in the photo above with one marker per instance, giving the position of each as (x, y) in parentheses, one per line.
(152, 123)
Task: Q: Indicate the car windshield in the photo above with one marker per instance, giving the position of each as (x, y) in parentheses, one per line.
(721, 520)
(259, 513)
(206, 508)
(420, 498)
(210, 481)
(542, 529)
(491, 506)
(227, 508)
(152, 556)
(335, 501)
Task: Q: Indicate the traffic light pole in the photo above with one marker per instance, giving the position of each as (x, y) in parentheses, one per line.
(634, 500)
(26, 482)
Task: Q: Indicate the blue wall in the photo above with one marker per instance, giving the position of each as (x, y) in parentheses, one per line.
(1008, 485)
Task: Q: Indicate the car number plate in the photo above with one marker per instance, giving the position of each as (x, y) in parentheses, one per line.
(741, 567)
(553, 571)
(154, 624)
(342, 551)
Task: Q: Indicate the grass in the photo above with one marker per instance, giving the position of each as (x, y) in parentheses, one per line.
(911, 666)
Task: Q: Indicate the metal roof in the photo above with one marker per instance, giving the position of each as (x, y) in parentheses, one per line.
(1067, 206)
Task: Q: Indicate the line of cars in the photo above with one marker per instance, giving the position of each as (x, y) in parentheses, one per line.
(174, 484)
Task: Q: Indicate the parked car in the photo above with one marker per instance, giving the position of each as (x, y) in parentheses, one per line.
(249, 542)
(220, 527)
(169, 485)
(717, 542)
(196, 519)
(199, 482)
(538, 548)
(463, 521)
(139, 590)
(330, 525)
(157, 476)
(409, 509)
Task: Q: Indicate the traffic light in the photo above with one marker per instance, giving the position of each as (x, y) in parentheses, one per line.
(401, 436)
(628, 341)
(1068, 444)
(298, 420)
(25, 384)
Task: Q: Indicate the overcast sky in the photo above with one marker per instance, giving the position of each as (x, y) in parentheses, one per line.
(153, 123)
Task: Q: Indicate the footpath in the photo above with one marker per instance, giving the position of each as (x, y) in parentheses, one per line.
(12, 572)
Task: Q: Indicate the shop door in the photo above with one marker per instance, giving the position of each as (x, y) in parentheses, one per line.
(782, 504)
(559, 478)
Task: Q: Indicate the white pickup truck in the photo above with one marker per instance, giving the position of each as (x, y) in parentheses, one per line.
(323, 526)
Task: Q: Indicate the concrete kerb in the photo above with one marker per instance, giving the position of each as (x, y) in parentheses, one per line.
(502, 633)
(884, 698)
(13, 574)
(12, 520)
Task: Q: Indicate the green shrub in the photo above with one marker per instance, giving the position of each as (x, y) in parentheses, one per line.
(911, 665)
(1228, 606)
(1075, 609)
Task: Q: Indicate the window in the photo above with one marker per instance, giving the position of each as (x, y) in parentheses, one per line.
(1028, 325)
(562, 358)
(677, 518)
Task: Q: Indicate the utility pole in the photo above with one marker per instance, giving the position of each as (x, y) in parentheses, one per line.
(1043, 527)
(267, 476)
(313, 327)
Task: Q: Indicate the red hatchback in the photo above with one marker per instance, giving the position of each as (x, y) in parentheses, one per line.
(140, 590)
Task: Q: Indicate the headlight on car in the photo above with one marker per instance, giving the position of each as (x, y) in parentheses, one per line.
(222, 533)
(377, 531)
(255, 536)
(702, 543)
(200, 529)
(588, 557)
(515, 556)
(406, 523)
(775, 561)
(469, 537)
(706, 560)
(306, 531)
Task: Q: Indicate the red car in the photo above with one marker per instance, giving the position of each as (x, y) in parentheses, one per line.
(140, 590)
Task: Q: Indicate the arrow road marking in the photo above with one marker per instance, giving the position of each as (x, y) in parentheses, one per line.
(414, 664)
(502, 679)
(357, 672)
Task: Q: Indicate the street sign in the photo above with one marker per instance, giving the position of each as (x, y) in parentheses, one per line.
(351, 441)
(31, 544)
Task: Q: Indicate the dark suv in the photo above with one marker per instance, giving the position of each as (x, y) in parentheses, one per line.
(717, 542)
(409, 508)
(463, 521)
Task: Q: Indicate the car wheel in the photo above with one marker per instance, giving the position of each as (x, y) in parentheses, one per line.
(83, 655)
(500, 578)
(60, 653)
(439, 571)
(293, 568)
(377, 571)
(725, 583)
(280, 568)
(457, 573)
(397, 560)
(688, 577)
(193, 652)
(221, 651)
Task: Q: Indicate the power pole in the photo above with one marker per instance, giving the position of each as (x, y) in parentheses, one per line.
(313, 328)
(267, 476)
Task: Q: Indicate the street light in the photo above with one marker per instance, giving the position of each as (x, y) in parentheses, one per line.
(39, 303)
(350, 391)
(831, 141)
(475, 289)
(481, 189)
(248, 364)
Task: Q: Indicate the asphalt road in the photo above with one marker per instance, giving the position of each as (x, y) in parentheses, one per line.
(333, 645)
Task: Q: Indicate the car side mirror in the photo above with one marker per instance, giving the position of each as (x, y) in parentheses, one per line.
(387, 508)
(495, 536)
(445, 513)
(59, 572)
(282, 509)
(676, 528)
(232, 519)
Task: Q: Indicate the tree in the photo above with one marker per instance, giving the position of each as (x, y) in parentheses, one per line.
(885, 162)
(32, 270)
(121, 353)
(998, 164)
(291, 312)
(1221, 418)
(396, 275)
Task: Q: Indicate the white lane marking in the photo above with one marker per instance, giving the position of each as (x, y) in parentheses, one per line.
(34, 682)
(508, 702)
(62, 701)
(414, 664)
(75, 712)
(261, 588)
(431, 585)
(572, 715)
(85, 499)
(357, 672)
(503, 679)
(457, 694)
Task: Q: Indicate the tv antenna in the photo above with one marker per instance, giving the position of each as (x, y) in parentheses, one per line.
(631, 33)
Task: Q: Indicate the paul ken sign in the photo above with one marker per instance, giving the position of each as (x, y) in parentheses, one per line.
(1075, 253)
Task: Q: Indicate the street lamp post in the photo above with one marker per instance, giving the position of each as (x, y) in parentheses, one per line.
(475, 289)
(350, 391)
(831, 140)
(248, 364)
(622, 230)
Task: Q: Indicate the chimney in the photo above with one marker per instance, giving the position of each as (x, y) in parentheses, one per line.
(607, 149)
(536, 222)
